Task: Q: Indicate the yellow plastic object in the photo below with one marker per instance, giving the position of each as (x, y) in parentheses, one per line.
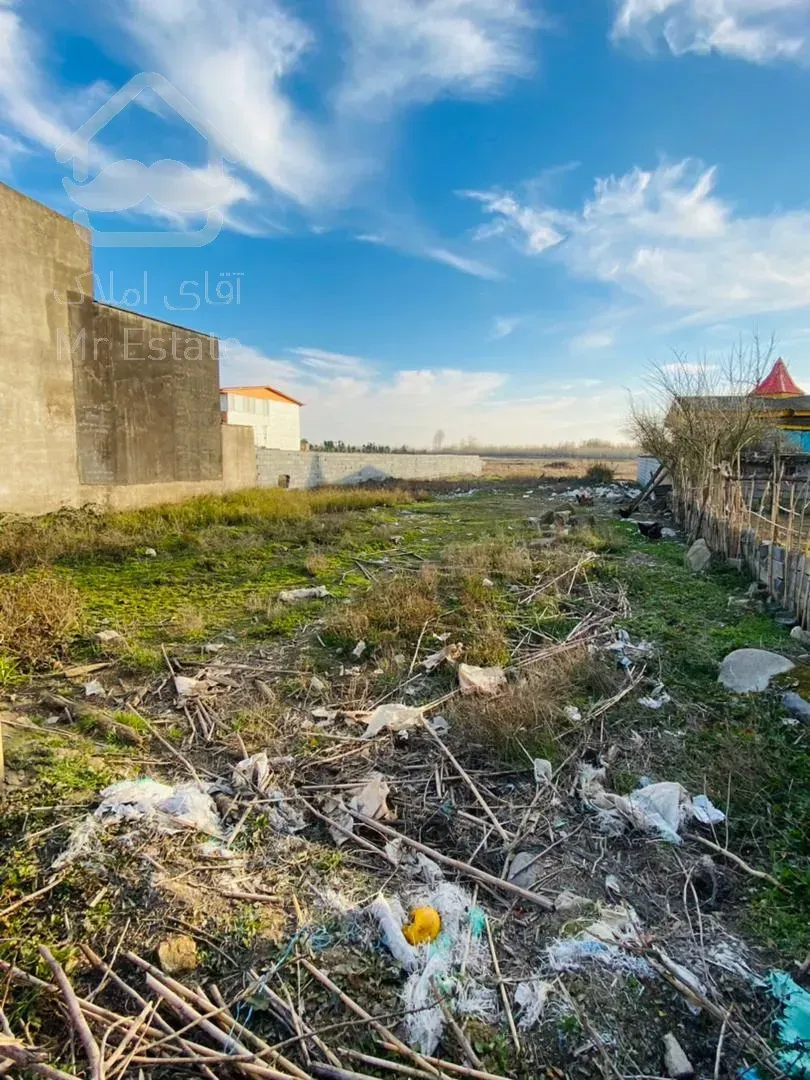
(425, 926)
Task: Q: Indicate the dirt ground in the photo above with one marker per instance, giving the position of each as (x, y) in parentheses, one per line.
(249, 919)
(557, 468)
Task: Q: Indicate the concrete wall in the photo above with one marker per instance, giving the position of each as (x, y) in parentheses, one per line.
(276, 424)
(41, 254)
(238, 458)
(147, 402)
(307, 469)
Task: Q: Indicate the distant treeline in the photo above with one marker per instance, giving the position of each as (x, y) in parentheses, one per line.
(588, 448)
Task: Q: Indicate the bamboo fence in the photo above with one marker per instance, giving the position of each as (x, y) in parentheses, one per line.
(761, 522)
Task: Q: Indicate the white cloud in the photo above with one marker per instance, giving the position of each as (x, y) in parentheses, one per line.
(474, 267)
(533, 230)
(404, 51)
(319, 361)
(504, 325)
(755, 30)
(9, 149)
(408, 406)
(666, 236)
(593, 340)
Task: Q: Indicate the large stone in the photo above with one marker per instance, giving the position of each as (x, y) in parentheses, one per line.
(797, 706)
(800, 635)
(698, 556)
(178, 954)
(676, 1063)
(749, 671)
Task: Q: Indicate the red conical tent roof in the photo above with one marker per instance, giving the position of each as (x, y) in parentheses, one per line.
(778, 383)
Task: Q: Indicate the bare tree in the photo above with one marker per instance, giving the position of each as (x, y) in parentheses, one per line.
(701, 417)
(438, 441)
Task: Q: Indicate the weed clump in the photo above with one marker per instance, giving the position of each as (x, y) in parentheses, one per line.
(39, 614)
(600, 473)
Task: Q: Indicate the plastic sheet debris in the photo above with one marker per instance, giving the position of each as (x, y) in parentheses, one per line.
(94, 689)
(531, 997)
(186, 687)
(413, 863)
(451, 654)
(424, 926)
(574, 954)
(107, 637)
(543, 771)
(572, 713)
(439, 724)
(659, 808)
(80, 844)
(393, 718)
(371, 799)
(253, 772)
(676, 1063)
(284, 818)
(569, 903)
(335, 809)
(390, 916)
(170, 808)
(484, 681)
(295, 596)
(358, 650)
(656, 699)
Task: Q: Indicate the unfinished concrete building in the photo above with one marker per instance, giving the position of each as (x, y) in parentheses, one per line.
(99, 404)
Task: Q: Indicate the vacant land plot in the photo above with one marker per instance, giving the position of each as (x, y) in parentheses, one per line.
(248, 779)
(561, 468)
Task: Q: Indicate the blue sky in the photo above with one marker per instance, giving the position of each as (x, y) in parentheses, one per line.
(480, 216)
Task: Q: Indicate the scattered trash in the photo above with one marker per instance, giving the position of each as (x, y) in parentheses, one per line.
(656, 699)
(187, 687)
(107, 637)
(81, 843)
(531, 996)
(253, 772)
(371, 800)
(294, 596)
(484, 681)
(603, 941)
(425, 926)
(749, 671)
(390, 917)
(608, 492)
(488, 583)
(676, 1063)
(451, 654)
(572, 713)
(659, 808)
(669, 534)
(612, 885)
(543, 771)
(698, 557)
(317, 686)
(413, 864)
(439, 725)
(394, 718)
(569, 903)
(150, 553)
(171, 808)
(358, 650)
(178, 954)
(283, 817)
(94, 689)
(525, 870)
(793, 1026)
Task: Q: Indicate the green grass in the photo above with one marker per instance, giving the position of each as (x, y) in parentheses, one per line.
(733, 744)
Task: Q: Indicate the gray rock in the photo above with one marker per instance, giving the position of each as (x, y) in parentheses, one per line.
(525, 870)
(698, 556)
(749, 671)
(800, 635)
(676, 1063)
(107, 637)
(797, 706)
(669, 534)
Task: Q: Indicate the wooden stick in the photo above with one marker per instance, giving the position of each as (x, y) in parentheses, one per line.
(76, 1015)
(464, 868)
(33, 896)
(359, 840)
(461, 1038)
(381, 1030)
(250, 1036)
(291, 1019)
(26, 1059)
(468, 780)
(504, 996)
(743, 865)
(447, 1066)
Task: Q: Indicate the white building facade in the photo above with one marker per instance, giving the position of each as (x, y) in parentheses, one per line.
(275, 417)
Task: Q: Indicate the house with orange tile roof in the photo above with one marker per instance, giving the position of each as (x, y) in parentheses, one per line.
(274, 416)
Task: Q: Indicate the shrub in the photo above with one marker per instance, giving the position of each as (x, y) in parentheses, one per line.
(599, 473)
(39, 614)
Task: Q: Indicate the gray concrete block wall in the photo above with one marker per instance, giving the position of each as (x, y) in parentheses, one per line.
(307, 469)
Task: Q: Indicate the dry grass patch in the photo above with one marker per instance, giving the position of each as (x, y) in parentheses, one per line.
(498, 558)
(317, 564)
(39, 614)
(392, 612)
(530, 714)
